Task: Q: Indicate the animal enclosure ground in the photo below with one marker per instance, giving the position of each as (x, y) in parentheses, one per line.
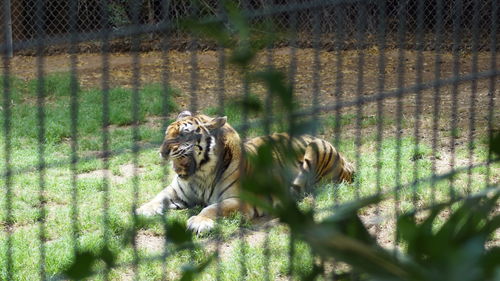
(177, 69)
(56, 198)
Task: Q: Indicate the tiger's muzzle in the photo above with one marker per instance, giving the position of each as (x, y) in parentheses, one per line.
(175, 150)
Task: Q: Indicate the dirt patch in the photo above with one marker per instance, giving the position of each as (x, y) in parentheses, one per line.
(444, 162)
(255, 237)
(128, 274)
(97, 154)
(101, 174)
(226, 249)
(150, 242)
(154, 122)
(380, 222)
(126, 173)
(128, 170)
(11, 228)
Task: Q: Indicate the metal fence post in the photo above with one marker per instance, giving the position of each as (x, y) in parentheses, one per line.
(7, 22)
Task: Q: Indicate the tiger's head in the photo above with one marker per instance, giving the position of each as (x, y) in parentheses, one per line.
(186, 140)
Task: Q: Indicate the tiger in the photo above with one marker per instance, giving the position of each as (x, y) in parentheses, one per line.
(206, 154)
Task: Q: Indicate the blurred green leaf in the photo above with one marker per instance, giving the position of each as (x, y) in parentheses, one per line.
(213, 30)
(456, 250)
(256, 200)
(491, 265)
(237, 20)
(81, 267)
(242, 56)
(464, 222)
(274, 80)
(314, 274)
(190, 272)
(304, 127)
(251, 103)
(418, 237)
(347, 221)
(495, 144)
(348, 209)
(329, 241)
(108, 257)
(178, 234)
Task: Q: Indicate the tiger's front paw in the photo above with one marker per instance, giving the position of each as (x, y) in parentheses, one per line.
(200, 224)
(150, 209)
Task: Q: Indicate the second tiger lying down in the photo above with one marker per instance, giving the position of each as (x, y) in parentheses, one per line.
(206, 154)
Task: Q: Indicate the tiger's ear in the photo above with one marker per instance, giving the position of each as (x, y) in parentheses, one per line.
(184, 114)
(216, 123)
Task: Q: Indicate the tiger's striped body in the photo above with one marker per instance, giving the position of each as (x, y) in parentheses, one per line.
(206, 154)
(315, 159)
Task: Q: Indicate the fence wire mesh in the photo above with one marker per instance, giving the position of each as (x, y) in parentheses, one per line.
(94, 16)
(406, 91)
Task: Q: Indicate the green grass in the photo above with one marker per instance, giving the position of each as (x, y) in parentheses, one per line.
(93, 195)
(53, 85)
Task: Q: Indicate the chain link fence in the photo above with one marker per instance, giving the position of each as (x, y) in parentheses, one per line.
(94, 16)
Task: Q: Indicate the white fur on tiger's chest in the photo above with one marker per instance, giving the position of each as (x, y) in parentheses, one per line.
(203, 180)
(206, 162)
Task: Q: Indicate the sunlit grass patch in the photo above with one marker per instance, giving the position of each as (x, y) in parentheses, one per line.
(104, 195)
(52, 189)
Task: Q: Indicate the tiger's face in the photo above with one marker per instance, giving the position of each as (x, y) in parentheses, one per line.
(186, 139)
